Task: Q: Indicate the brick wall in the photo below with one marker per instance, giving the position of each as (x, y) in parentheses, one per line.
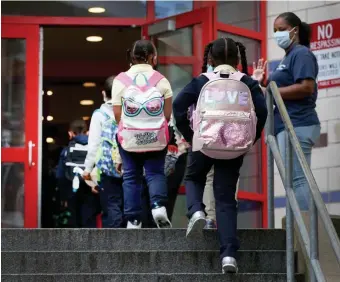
(325, 158)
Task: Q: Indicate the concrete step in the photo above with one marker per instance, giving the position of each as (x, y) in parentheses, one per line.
(128, 239)
(160, 277)
(13, 262)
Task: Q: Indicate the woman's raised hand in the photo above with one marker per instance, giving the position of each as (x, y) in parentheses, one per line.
(259, 70)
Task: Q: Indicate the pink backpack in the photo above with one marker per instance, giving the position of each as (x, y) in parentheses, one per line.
(143, 127)
(224, 121)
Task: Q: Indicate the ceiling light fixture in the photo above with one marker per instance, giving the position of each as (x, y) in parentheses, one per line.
(49, 118)
(89, 84)
(86, 118)
(86, 102)
(49, 140)
(96, 10)
(94, 38)
(49, 92)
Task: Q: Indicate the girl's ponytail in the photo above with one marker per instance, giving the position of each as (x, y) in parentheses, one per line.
(242, 50)
(206, 55)
(304, 34)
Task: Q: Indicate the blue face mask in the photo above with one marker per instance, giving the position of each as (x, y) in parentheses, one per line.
(210, 68)
(283, 39)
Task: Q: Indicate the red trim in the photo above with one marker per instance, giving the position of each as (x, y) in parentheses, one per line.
(72, 21)
(250, 196)
(99, 221)
(31, 34)
(239, 31)
(150, 10)
(181, 190)
(13, 155)
(177, 60)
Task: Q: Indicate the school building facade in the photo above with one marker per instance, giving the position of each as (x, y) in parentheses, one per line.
(180, 30)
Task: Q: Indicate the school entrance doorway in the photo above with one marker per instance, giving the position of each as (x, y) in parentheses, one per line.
(35, 95)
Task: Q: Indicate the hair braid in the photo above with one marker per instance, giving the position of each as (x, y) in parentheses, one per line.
(242, 50)
(206, 55)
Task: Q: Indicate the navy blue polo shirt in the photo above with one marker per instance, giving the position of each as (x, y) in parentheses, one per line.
(299, 64)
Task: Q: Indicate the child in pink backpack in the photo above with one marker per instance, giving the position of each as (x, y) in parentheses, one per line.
(142, 100)
(222, 56)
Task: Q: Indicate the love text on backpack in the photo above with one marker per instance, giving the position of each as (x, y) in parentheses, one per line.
(224, 121)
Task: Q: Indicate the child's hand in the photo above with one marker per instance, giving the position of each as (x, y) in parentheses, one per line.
(95, 189)
(119, 168)
(259, 70)
(86, 175)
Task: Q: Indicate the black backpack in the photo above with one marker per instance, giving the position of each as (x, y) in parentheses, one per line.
(75, 155)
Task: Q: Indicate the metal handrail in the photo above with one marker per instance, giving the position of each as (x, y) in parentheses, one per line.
(310, 243)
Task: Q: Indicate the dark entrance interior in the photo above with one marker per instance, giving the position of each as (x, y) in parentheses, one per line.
(74, 70)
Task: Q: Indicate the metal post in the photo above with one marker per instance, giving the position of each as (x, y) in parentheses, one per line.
(289, 212)
(270, 160)
(314, 249)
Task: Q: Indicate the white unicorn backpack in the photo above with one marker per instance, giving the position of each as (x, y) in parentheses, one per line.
(224, 121)
(143, 127)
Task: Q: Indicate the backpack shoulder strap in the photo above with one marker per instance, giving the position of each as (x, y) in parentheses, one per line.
(211, 75)
(124, 78)
(155, 78)
(237, 75)
(103, 113)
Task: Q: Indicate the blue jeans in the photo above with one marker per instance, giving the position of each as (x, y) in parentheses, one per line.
(307, 136)
(133, 164)
(111, 200)
(225, 180)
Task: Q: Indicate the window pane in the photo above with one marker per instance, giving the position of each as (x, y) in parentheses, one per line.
(164, 9)
(178, 75)
(175, 43)
(117, 9)
(244, 14)
(250, 173)
(13, 66)
(253, 47)
(12, 195)
(249, 214)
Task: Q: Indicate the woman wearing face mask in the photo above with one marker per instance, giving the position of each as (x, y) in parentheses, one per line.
(296, 79)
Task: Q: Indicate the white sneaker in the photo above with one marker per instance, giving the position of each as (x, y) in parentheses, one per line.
(229, 265)
(196, 223)
(134, 225)
(161, 218)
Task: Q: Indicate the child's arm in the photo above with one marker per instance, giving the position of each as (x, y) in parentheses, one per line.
(165, 88)
(187, 97)
(94, 141)
(116, 94)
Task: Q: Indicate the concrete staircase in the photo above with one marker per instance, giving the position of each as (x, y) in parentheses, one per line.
(146, 255)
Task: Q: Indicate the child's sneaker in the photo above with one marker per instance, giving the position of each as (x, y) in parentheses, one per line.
(211, 224)
(196, 223)
(229, 265)
(134, 225)
(160, 217)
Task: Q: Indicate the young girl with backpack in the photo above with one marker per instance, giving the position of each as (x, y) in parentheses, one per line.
(229, 117)
(103, 153)
(142, 100)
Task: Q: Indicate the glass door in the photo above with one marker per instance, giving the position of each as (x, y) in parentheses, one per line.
(19, 125)
(180, 41)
